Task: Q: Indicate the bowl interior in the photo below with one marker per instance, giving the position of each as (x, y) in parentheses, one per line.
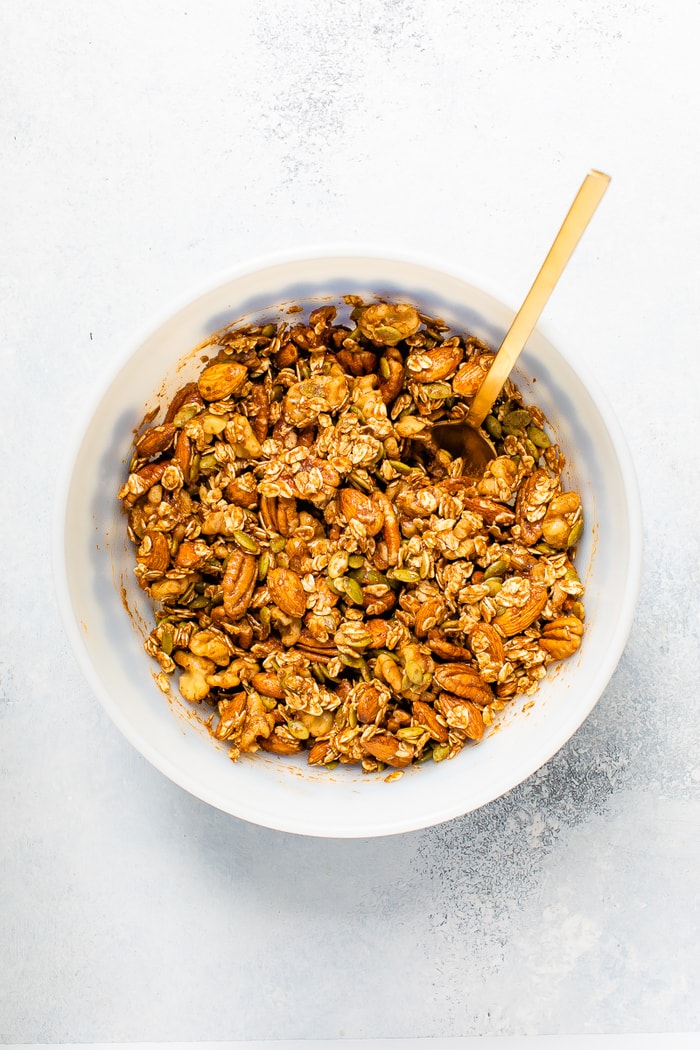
(107, 616)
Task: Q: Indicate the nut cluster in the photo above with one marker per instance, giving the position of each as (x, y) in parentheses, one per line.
(323, 576)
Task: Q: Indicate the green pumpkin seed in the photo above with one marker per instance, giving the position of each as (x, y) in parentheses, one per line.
(516, 419)
(201, 602)
(246, 542)
(268, 702)
(399, 467)
(440, 752)
(356, 561)
(263, 566)
(208, 462)
(185, 414)
(410, 732)
(494, 585)
(353, 591)
(404, 575)
(498, 568)
(194, 468)
(384, 368)
(277, 544)
(575, 533)
(493, 428)
(166, 642)
(298, 730)
(269, 330)
(538, 437)
(437, 391)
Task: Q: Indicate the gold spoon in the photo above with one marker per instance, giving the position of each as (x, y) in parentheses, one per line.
(464, 438)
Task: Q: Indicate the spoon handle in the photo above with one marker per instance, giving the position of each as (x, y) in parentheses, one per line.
(580, 214)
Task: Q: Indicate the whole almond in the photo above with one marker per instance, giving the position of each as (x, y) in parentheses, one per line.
(387, 749)
(287, 592)
(355, 504)
(221, 379)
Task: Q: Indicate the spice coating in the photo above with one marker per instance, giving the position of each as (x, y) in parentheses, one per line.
(324, 578)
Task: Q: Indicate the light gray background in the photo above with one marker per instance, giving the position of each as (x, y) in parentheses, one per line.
(147, 145)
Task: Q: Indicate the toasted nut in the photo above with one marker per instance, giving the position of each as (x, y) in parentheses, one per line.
(281, 743)
(561, 637)
(464, 681)
(268, 683)
(355, 504)
(154, 552)
(370, 701)
(429, 615)
(155, 440)
(392, 376)
(191, 554)
(388, 749)
(516, 619)
(563, 517)
(445, 649)
(388, 323)
(320, 753)
(232, 713)
(186, 403)
(221, 379)
(427, 717)
(431, 366)
(287, 592)
(238, 583)
(484, 638)
(461, 714)
(193, 682)
(471, 375)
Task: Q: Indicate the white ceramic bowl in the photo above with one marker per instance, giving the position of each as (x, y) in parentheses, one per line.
(96, 584)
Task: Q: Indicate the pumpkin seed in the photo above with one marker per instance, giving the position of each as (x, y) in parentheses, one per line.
(538, 437)
(356, 561)
(498, 568)
(399, 467)
(516, 419)
(277, 544)
(437, 391)
(575, 533)
(353, 591)
(166, 642)
(269, 330)
(404, 575)
(410, 732)
(384, 367)
(440, 752)
(186, 413)
(493, 428)
(298, 730)
(208, 462)
(246, 542)
(494, 585)
(263, 566)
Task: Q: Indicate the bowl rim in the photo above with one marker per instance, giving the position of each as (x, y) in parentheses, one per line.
(131, 345)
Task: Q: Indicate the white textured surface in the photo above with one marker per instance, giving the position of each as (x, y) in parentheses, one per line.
(147, 145)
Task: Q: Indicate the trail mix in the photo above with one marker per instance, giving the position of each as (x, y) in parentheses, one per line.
(323, 576)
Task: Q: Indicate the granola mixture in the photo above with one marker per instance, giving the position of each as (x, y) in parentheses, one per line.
(323, 576)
